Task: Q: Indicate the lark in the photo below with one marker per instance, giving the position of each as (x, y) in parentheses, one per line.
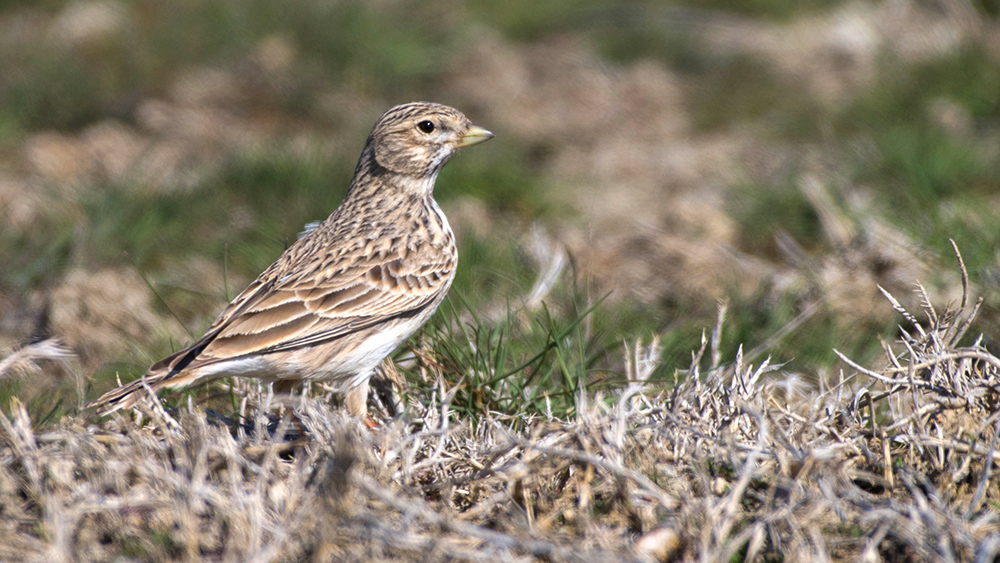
(351, 290)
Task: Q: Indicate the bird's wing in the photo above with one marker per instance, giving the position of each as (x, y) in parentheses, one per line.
(302, 310)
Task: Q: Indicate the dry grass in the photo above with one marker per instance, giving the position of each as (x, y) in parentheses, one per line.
(790, 166)
(733, 462)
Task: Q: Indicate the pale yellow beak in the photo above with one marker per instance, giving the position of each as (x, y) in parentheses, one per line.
(474, 136)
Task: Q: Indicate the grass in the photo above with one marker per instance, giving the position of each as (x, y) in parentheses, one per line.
(530, 363)
(693, 470)
(511, 190)
(584, 425)
(67, 88)
(633, 29)
(935, 183)
(928, 181)
(917, 164)
(754, 206)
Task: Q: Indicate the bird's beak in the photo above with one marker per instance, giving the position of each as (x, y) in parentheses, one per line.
(473, 136)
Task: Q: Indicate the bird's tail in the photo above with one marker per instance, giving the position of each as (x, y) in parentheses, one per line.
(133, 393)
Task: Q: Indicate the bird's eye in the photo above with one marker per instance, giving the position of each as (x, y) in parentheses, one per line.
(426, 126)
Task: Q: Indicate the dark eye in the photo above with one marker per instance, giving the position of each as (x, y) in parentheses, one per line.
(425, 126)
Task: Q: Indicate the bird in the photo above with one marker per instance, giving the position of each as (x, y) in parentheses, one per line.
(347, 293)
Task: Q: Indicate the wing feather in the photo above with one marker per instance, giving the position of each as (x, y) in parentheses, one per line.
(296, 312)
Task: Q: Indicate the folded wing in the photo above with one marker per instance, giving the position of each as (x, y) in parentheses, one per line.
(294, 312)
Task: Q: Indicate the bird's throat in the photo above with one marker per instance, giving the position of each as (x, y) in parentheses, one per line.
(421, 186)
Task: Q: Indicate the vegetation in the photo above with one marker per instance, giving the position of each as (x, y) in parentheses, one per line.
(655, 164)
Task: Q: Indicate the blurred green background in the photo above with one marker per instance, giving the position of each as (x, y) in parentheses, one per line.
(782, 157)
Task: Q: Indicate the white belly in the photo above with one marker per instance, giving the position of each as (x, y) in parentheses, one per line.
(365, 357)
(346, 367)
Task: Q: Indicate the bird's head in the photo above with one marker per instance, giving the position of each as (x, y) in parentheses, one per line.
(418, 138)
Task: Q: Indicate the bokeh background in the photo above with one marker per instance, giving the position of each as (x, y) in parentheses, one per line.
(782, 157)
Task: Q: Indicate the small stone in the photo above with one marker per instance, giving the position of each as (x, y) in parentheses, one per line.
(659, 544)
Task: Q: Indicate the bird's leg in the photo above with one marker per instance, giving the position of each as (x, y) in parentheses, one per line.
(285, 387)
(386, 383)
(356, 400)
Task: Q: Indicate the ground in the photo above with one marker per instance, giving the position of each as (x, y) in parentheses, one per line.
(801, 166)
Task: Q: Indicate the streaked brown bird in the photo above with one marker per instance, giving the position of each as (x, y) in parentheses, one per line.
(351, 290)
